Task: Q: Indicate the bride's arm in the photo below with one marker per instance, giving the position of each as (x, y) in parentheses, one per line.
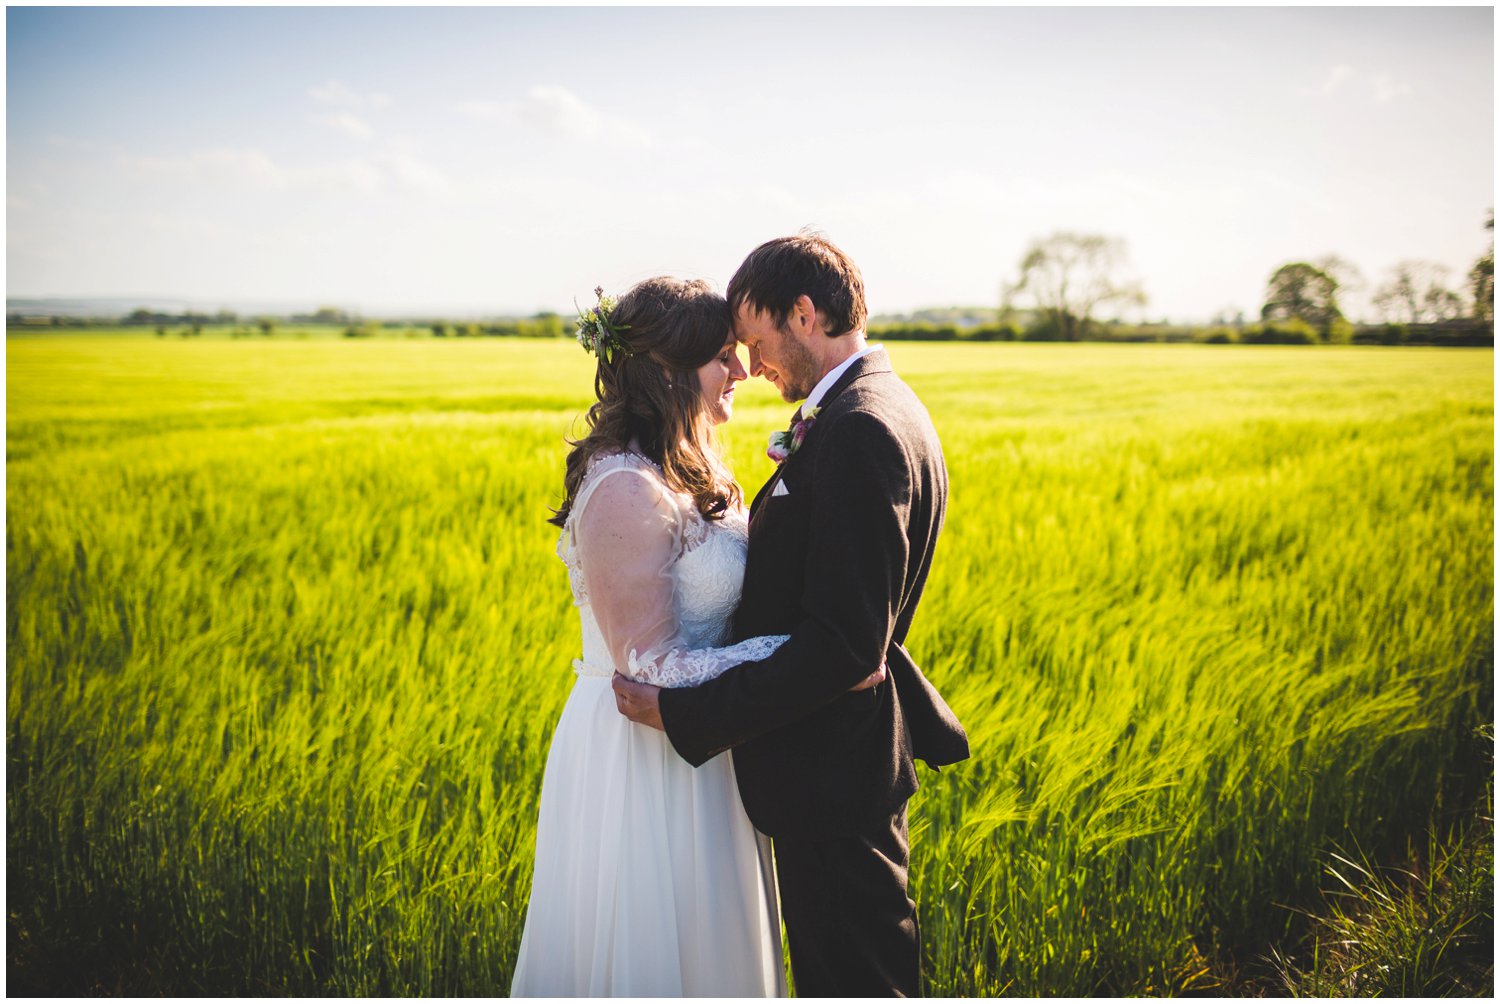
(629, 537)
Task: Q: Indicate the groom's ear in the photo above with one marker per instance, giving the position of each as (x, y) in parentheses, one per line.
(803, 317)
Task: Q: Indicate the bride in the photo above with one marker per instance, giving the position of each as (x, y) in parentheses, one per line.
(649, 879)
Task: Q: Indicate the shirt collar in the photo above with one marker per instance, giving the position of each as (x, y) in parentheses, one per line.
(832, 376)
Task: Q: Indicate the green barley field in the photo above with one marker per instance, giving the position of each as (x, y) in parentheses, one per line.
(287, 636)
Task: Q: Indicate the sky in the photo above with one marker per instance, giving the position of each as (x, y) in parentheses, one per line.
(467, 161)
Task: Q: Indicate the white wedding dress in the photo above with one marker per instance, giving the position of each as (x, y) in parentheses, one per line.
(649, 879)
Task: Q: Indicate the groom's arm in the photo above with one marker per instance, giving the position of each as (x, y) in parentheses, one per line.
(854, 575)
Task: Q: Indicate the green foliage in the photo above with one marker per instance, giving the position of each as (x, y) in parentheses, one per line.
(330, 315)
(1055, 326)
(921, 331)
(1453, 334)
(1299, 292)
(1425, 930)
(546, 325)
(916, 332)
(1003, 332)
(1482, 279)
(1293, 331)
(142, 315)
(287, 638)
(543, 325)
(1340, 332)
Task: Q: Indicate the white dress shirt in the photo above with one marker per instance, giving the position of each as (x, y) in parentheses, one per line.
(832, 376)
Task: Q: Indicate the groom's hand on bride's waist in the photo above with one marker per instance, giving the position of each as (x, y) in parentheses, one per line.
(641, 702)
(637, 701)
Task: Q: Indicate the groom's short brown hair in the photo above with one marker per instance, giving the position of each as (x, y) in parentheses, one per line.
(779, 271)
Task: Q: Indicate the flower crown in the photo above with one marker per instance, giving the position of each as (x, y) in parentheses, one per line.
(596, 334)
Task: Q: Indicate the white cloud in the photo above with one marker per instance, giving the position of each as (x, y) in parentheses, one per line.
(254, 169)
(556, 111)
(1380, 86)
(484, 111)
(1336, 78)
(347, 123)
(354, 174)
(417, 175)
(251, 168)
(1386, 89)
(175, 225)
(335, 92)
(341, 95)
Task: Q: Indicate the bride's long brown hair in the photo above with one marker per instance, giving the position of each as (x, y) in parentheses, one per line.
(650, 395)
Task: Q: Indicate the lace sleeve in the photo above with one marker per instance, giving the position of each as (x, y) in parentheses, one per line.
(629, 535)
(689, 667)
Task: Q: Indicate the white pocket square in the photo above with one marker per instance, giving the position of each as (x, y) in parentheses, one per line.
(780, 489)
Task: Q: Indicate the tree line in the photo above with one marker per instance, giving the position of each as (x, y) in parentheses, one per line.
(192, 324)
(1068, 278)
(1063, 282)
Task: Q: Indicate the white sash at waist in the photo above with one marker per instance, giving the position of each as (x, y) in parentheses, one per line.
(589, 669)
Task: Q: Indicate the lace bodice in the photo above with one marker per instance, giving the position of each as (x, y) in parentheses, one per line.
(656, 584)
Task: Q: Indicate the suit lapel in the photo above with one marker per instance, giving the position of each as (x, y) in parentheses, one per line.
(874, 361)
(765, 490)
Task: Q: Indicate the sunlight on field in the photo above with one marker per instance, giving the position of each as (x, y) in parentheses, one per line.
(287, 638)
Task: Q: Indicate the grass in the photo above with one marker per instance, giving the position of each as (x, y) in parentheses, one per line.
(286, 640)
(1424, 930)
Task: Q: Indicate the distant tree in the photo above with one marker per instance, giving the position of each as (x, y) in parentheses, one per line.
(1482, 278)
(1415, 293)
(267, 325)
(141, 315)
(1303, 292)
(226, 316)
(1350, 279)
(195, 322)
(1069, 275)
(161, 331)
(548, 324)
(439, 329)
(329, 315)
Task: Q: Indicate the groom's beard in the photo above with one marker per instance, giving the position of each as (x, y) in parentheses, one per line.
(799, 372)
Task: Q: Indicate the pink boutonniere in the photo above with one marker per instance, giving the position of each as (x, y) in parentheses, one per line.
(784, 444)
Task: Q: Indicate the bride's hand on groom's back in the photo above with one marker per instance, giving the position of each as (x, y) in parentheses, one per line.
(874, 679)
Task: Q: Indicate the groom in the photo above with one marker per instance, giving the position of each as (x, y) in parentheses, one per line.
(841, 540)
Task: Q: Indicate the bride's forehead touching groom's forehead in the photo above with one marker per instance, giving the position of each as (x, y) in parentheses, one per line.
(749, 325)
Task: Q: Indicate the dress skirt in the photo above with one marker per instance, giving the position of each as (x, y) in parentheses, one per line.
(649, 878)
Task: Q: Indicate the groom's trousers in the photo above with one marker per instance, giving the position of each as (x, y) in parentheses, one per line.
(850, 925)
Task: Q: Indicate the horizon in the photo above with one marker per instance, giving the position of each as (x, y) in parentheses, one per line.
(502, 162)
(103, 308)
